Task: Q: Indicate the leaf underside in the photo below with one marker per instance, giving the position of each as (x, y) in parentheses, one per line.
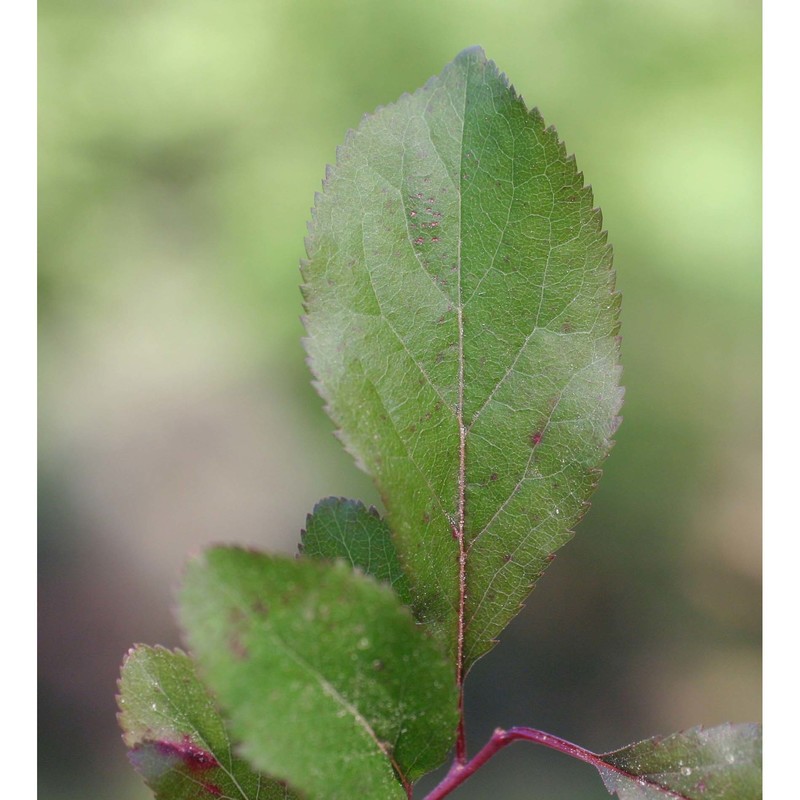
(340, 528)
(327, 680)
(722, 763)
(178, 741)
(463, 330)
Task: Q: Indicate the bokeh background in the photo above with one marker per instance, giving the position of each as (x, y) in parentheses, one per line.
(181, 144)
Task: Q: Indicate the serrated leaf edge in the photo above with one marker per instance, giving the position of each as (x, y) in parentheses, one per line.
(614, 296)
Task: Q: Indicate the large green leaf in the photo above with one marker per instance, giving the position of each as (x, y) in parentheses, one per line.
(462, 328)
(328, 681)
(341, 528)
(722, 763)
(178, 740)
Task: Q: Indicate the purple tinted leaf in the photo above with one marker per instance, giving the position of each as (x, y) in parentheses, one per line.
(177, 739)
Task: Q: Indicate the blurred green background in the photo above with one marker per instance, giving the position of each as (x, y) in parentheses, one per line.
(181, 144)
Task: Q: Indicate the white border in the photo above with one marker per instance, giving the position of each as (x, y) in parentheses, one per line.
(781, 442)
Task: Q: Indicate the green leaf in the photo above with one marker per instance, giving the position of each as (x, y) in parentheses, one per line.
(177, 739)
(327, 679)
(463, 329)
(340, 528)
(722, 763)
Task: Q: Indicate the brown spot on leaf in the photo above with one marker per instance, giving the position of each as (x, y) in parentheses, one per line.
(260, 607)
(237, 646)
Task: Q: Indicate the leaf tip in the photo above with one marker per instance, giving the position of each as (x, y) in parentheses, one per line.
(474, 53)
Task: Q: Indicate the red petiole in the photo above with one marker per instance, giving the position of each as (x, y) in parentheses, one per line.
(460, 771)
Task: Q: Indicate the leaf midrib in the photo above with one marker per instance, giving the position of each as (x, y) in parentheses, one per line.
(329, 690)
(462, 432)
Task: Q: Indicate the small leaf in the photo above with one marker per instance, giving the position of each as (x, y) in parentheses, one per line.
(177, 738)
(722, 763)
(340, 528)
(328, 681)
(463, 330)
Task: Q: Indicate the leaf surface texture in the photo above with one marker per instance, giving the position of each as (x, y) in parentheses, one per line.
(463, 330)
(722, 763)
(346, 529)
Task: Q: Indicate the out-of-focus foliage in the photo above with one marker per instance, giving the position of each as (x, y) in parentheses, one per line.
(328, 681)
(177, 144)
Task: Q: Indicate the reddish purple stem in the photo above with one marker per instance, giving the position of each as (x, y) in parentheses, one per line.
(459, 772)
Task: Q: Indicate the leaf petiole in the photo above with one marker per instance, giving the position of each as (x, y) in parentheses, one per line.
(460, 772)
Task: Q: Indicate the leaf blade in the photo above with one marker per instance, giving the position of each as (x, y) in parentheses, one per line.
(340, 528)
(340, 665)
(462, 328)
(177, 740)
(722, 763)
